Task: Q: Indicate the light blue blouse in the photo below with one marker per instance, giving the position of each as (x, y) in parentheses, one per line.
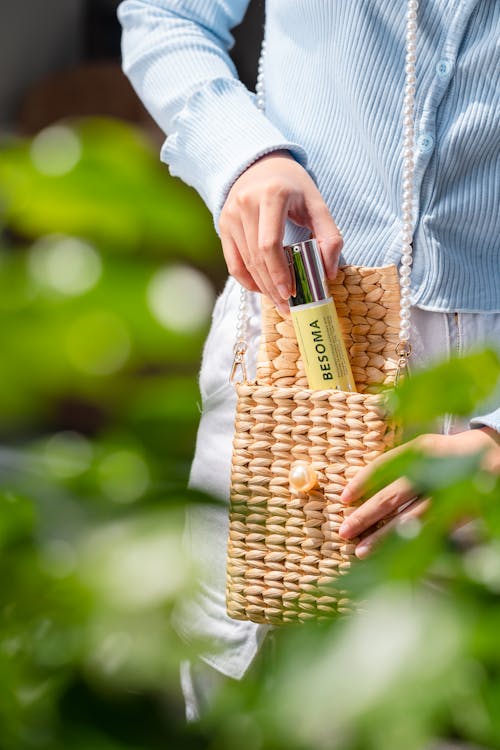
(334, 80)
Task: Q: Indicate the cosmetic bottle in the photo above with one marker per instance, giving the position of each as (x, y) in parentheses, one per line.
(315, 321)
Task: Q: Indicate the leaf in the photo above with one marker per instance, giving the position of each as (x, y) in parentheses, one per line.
(452, 387)
(427, 473)
(17, 518)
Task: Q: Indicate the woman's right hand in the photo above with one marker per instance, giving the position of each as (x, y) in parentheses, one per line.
(252, 224)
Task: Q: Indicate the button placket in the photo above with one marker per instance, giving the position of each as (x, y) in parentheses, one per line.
(444, 68)
(425, 142)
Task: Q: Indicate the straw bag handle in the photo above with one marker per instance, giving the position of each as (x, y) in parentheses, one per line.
(403, 347)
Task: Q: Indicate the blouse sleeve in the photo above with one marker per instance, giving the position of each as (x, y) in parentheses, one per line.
(492, 419)
(175, 53)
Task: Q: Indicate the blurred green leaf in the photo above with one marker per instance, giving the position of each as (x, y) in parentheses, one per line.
(113, 191)
(17, 518)
(452, 387)
(427, 473)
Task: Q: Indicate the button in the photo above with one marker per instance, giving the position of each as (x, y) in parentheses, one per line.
(444, 68)
(425, 143)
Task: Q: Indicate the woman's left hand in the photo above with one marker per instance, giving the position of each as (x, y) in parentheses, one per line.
(386, 506)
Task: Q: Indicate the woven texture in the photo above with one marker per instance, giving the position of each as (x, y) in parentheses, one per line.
(284, 545)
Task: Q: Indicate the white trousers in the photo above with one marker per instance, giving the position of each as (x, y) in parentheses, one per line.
(234, 644)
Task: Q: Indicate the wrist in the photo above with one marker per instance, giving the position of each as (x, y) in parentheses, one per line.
(492, 442)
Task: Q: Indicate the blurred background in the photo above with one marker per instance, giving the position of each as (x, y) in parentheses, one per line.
(109, 270)
(100, 250)
(114, 257)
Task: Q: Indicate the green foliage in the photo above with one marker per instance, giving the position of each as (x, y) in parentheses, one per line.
(100, 179)
(455, 387)
(98, 405)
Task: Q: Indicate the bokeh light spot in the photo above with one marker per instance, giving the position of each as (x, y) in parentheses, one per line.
(144, 572)
(123, 476)
(56, 150)
(482, 564)
(180, 298)
(409, 528)
(67, 454)
(113, 652)
(98, 343)
(66, 264)
(138, 564)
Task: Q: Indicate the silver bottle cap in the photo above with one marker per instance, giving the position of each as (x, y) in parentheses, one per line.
(306, 264)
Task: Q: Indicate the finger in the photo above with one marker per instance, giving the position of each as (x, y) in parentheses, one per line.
(255, 260)
(238, 238)
(272, 218)
(236, 265)
(382, 505)
(417, 509)
(357, 486)
(327, 234)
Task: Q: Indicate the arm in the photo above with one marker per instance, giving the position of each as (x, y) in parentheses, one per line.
(175, 53)
(251, 177)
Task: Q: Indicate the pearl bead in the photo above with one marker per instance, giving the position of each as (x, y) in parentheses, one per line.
(302, 476)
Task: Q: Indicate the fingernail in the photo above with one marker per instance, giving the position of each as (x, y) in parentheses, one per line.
(362, 550)
(332, 272)
(345, 529)
(284, 291)
(345, 497)
(283, 308)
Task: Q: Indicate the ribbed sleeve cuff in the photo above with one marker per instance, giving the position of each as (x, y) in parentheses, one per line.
(217, 135)
(488, 420)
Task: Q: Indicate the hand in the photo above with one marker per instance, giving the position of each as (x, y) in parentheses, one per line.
(252, 225)
(385, 506)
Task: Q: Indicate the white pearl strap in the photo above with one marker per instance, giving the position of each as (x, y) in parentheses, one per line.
(403, 349)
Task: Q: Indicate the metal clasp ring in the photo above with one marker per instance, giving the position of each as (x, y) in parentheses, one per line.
(403, 352)
(403, 349)
(240, 349)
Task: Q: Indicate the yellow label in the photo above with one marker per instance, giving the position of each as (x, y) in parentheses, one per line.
(322, 347)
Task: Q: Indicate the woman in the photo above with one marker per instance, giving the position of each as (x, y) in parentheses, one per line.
(326, 153)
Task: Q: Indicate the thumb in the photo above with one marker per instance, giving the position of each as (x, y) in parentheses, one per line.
(327, 235)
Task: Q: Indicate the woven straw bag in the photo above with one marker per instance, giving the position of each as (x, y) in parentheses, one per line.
(284, 548)
(284, 545)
